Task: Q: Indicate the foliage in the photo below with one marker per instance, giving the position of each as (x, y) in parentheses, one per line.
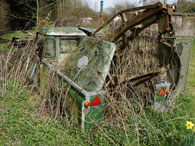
(118, 7)
(74, 9)
(22, 13)
(27, 14)
(185, 6)
(44, 22)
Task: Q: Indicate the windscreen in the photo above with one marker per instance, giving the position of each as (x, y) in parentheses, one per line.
(89, 63)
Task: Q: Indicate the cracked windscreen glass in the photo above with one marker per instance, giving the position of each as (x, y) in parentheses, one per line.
(89, 63)
(67, 47)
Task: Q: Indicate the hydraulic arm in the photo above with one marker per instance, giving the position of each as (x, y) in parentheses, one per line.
(144, 17)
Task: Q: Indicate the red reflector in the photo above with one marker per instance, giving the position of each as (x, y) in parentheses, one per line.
(95, 101)
(162, 92)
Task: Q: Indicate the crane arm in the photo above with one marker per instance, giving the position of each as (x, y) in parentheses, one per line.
(156, 13)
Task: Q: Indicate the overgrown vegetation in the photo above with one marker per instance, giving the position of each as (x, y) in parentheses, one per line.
(25, 122)
(8, 36)
(25, 119)
(22, 124)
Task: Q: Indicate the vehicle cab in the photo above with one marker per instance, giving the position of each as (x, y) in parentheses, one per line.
(57, 43)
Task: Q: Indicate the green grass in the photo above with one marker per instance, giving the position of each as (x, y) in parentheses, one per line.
(4, 46)
(22, 124)
(18, 34)
(191, 75)
(191, 84)
(10, 35)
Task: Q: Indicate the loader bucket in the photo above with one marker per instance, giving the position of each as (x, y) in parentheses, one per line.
(175, 80)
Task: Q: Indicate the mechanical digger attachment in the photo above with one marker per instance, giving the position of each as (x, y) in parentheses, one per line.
(173, 65)
(145, 16)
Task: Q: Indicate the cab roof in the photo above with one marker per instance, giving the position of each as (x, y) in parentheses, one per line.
(67, 31)
(62, 31)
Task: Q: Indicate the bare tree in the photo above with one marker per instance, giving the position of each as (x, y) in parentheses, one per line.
(186, 6)
(75, 8)
(4, 19)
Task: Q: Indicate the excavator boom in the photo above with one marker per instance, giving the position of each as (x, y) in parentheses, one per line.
(144, 17)
(147, 15)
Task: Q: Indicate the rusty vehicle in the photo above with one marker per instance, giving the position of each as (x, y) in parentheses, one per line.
(81, 58)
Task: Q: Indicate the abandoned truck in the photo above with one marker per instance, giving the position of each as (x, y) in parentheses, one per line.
(81, 60)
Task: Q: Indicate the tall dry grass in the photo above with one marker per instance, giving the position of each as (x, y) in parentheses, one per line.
(126, 104)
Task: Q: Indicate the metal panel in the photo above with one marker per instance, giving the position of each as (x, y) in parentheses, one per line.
(183, 49)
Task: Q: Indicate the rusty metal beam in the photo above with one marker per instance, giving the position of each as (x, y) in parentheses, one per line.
(135, 81)
(153, 6)
(133, 22)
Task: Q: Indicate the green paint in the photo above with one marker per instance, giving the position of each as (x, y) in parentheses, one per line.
(179, 47)
(95, 116)
(186, 44)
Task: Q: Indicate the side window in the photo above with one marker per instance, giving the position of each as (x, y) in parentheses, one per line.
(50, 48)
(40, 48)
